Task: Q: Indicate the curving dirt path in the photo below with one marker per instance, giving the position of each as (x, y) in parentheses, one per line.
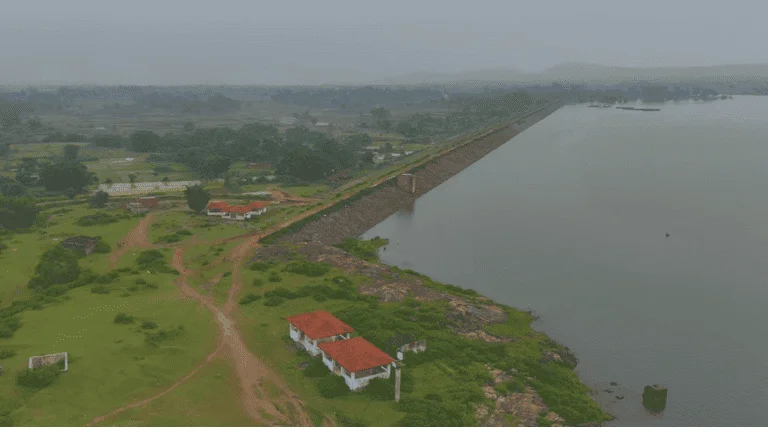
(254, 375)
(136, 238)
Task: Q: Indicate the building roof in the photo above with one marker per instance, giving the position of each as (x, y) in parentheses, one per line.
(319, 324)
(356, 354)
(224, 207)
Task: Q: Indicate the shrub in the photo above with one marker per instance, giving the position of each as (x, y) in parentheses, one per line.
(102, 247)
(315, 369)
(56, 266)
(38, 378)
(258, 282)
(250, 298)
(331, 386)
(262, 266)
(154, 261)
(274, 301)
(108, 277)
(225, 274)
(98, 218)
(122, 318)
(154, 339)
(6, 353)
(274, 277)
(367, 250)
(148, 325)
(307, 268)
(101, 289)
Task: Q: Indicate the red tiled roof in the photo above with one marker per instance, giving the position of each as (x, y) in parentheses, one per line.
(224, 207)
(356, 354)
(319, 324)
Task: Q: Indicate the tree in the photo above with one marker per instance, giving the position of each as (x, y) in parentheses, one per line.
(16, 213)
(57, 266)
(66, 175)
(5, 149)
(71, 151)
(305, 164)
(132, 178)
(34, 124)
(143, 141)
(189, 127)
(109, 141)
(197, 198)
(71, 193)
(108, 181)
(100, 199)
(10, 187)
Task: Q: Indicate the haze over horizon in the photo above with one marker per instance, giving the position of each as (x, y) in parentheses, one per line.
(341, 41)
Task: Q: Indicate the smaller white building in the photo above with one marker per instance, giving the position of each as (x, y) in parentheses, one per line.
(314, 328)
(357, 361)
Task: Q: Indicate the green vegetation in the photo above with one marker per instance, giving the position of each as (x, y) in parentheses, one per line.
(100, 218)
(367, 250)
(122, 318)
(6, 353)
(39, 378)
(197, 198)
(153, 261)
(175, 237)
(249, 298)
(312, 269)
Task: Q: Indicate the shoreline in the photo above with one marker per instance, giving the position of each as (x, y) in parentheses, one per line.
(379, 203)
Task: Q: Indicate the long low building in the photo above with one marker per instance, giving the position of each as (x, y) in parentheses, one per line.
(242, 212)
(314, 328)
(357, 361)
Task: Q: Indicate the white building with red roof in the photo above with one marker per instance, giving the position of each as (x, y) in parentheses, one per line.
(356, 360)
(243, 212)
(314, 328)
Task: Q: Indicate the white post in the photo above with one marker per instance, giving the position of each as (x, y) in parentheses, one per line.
(397, 384)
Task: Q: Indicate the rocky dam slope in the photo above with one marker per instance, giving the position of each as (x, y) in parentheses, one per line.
(363, 214)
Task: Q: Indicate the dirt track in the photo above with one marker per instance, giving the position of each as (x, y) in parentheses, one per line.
(252, 372)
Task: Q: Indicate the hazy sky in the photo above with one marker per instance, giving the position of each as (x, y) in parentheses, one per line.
(321, 41)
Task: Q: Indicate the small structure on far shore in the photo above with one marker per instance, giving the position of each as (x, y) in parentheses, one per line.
(37, 362)
(82, 244)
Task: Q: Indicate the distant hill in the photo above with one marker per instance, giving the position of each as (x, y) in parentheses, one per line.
(588, 73)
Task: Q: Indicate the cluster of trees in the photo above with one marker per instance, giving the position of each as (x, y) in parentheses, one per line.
(299, 152)
(359, 97)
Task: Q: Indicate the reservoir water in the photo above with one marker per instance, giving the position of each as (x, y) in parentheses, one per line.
(570, 219)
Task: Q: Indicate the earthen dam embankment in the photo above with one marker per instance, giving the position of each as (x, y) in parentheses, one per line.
(362, 214)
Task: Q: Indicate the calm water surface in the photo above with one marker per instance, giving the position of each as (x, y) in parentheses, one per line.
(569, 219)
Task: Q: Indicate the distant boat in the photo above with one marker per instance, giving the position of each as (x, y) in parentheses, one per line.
(593, 106)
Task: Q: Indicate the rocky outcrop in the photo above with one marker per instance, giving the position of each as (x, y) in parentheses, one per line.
(522, 408)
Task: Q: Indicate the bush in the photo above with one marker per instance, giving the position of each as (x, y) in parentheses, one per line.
(101, 289)
(154, 261)
(250, 298)
(38, 378)
(175, 237)
(274, 301)
(102, 247)
(6, 353)
(56, 266)
(108, 277)
(367, 250)
(307, 268)
(258, 282)
(122, 318)
(274, 277)
(154, 339)
(315, 369)
(331, 386)
(262, 266)
(148, 325)
(98, 218)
